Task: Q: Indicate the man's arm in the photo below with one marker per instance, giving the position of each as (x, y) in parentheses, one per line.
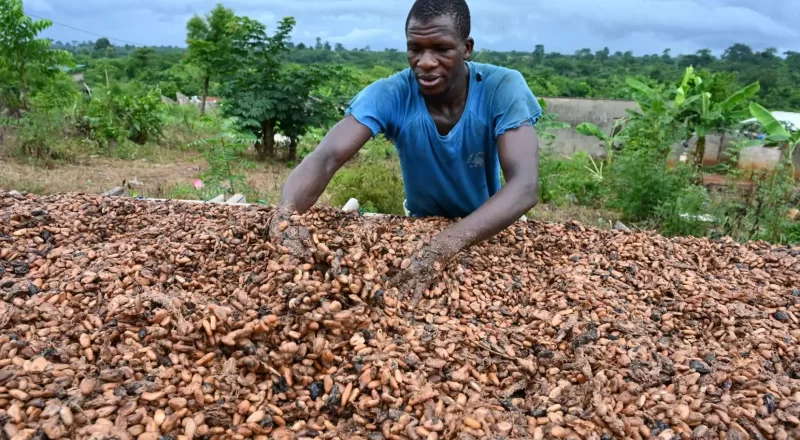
(519, 159)
(308, 181)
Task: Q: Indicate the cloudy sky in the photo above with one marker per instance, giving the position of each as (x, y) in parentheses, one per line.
(643, 26)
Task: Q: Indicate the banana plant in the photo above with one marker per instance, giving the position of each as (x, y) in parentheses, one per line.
(612, 141)
(776, 134)
(693, 105)
(705, 113)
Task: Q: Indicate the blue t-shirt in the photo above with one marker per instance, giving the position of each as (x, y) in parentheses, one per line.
(452, 175)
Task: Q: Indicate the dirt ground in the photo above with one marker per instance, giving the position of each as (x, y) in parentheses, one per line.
(150, 177)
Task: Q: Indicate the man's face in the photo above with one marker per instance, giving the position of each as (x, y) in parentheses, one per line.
(436, 54)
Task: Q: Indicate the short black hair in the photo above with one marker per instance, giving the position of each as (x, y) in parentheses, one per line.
(427, 10)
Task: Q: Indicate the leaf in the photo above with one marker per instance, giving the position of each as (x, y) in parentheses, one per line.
(640, 86)
(691, 100)
(552, 125)
(740, 96)
(705, 99)
(772, 126)
(589, 129)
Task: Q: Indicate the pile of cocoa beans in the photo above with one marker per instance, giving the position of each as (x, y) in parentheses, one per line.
(129, 319)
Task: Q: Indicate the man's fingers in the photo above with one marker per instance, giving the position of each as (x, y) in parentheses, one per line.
(419, 291)
(400, 279)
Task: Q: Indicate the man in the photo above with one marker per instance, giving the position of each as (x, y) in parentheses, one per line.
(455, 124)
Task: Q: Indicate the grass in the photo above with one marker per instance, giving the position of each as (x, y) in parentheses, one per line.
(598, 218)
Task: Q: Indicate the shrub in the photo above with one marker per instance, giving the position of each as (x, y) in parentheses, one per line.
(183, 124)
(223, 155)
(374, 178)
(688, 213)
(44, 134)
(116, 115)
(569, 180)
(761, 211)
(640, 182)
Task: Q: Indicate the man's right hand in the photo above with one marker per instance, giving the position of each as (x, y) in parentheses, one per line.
(294, 237)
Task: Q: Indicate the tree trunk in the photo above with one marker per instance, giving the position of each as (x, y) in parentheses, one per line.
(700, 150)
(23, 88)
(721, 147)
(266, 148)
(292, 149)
(205, 95)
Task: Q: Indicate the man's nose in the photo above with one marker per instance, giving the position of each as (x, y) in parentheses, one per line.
(428, 61)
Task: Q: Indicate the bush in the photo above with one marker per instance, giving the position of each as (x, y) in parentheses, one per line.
(760, 212)
(688, 213)
(116, 115)
(183, 125)
(374, 179)
(640, 183)
(44, 134)
(569, 180)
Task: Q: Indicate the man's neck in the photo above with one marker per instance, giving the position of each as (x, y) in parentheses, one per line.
(456, 95)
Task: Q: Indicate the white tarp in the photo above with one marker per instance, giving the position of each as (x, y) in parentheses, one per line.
(792, 118)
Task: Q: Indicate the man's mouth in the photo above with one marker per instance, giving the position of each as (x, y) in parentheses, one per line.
(429, 81)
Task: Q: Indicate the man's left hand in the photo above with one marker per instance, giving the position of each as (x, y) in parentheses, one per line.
(426, 266)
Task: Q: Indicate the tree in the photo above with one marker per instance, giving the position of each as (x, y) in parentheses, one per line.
(266, 95)
(305, 107)
(538, 54)
(327, 46)
(318, 46)
(602, 55)
(209, 42)
(339, 47)
(101, 44)
(22, 54)
(253, 93)
(141, 62)
(738, 53)
(710, 107)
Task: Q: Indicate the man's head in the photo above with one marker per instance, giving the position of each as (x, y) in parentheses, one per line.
(438, 43)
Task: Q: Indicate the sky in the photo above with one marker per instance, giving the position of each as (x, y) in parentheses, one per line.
(642, 26)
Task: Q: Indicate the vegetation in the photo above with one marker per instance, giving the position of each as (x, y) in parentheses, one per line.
(278, 99)
(210, 46)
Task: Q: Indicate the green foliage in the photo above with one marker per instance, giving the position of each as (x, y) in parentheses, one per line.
(116, 116)
(777, 134)
(210, 44)
(375, 181)
(23, 55)
(703, 104)
(43, 134)
(223, 154)
(305, 107)
(548, 123)
(641, 182)
(611, 142)
(253, 93)
(687, 213)
(568, 180)
(56, 92)
(760, 212)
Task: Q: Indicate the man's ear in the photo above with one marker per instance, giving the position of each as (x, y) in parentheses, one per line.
(469, 44)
